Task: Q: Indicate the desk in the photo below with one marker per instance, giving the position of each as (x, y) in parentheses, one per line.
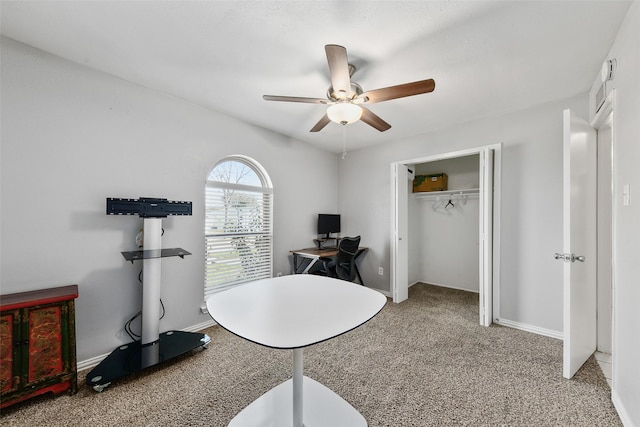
(314, 254)
(293, 312)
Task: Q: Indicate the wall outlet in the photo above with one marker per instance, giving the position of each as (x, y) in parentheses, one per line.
(380, 271)
(203, 309)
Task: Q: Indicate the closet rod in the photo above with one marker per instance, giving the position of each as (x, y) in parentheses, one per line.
(430, 195)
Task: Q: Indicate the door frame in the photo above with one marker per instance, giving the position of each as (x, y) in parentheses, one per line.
(489, 280)
(600, 119)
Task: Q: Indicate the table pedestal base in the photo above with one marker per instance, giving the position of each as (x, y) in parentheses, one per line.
(321, 407)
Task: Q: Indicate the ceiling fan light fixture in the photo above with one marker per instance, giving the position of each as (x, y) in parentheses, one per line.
(344, 113)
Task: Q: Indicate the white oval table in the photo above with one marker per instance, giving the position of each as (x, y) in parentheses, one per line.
(293, 312)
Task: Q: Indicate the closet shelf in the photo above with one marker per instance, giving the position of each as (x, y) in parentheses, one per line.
(434, 195)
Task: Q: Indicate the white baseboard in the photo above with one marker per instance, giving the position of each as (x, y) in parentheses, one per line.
(200, 326)
(385, 293)
(427, 283)
(445, 286)
(622, 412)
(530, 328)
(95, 361)
(92, 362)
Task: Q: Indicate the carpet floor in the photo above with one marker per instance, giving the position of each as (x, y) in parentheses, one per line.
(423, 362)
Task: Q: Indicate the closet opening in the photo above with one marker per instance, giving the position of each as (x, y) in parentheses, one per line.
(444, 224)
(448, 237)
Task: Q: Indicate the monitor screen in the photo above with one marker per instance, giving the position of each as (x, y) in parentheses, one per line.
(328, 223)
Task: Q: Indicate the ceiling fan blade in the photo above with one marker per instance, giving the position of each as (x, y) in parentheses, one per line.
(296, 99)
(339, 68)
(321, 124)
(399, 91)
(374, 120)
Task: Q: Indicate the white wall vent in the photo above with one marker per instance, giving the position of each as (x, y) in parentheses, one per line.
(599, 89)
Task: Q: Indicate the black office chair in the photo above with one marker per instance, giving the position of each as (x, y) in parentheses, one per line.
(344, 267)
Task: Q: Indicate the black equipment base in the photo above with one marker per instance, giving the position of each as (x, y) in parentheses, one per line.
(134, 357)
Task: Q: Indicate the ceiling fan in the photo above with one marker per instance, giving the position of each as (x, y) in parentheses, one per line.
(346, 98)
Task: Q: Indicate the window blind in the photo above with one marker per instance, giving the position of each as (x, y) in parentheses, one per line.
(238, 235)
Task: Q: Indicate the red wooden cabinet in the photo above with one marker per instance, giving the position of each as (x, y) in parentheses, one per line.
(37, 343)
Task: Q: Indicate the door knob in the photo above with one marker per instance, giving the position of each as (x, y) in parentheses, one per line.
(569, 257)
(562, 257)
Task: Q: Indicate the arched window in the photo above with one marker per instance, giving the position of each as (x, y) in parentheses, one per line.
(238, 224)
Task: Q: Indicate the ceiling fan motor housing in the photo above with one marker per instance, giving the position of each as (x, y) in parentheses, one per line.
(356, 90)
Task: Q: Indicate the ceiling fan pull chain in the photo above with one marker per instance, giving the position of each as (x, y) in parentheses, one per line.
(344, 141)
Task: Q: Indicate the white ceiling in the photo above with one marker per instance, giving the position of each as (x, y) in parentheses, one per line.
(486, 57)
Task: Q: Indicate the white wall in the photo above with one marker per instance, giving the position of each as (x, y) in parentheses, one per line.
(72, 136)
(626, 140)
(531, 280)
(447, 252)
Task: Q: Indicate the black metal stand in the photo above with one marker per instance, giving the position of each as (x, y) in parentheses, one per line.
(134, 357)
(153, 348)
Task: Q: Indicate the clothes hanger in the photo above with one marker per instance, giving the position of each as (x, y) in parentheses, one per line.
(450, 203)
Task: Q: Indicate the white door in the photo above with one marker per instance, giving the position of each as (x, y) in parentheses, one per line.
(486, 236)
(399, 245)
(579, 242)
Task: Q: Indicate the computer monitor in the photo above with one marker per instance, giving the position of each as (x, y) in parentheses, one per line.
(328, 223)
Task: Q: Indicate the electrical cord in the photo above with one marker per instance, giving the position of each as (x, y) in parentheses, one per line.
(127, 326)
